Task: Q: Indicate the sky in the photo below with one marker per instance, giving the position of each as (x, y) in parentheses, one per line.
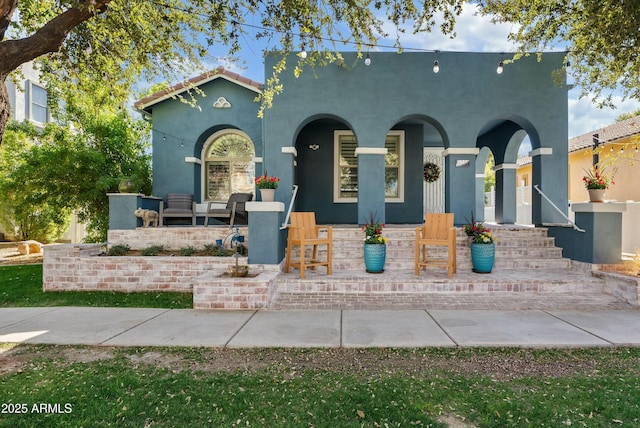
(475, 33)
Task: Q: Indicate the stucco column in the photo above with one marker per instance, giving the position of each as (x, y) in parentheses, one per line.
(460, 184)
(550, 174)
(506, 193)
(478, 212)
(122, 206)
(371, 183)
(266, 240)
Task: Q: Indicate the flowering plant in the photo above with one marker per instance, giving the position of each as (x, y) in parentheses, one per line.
(597, 178)
(266, 182)
(478, 232)
(373, 232)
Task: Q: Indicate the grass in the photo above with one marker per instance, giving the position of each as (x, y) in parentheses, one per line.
(21, 286)
(350, 388)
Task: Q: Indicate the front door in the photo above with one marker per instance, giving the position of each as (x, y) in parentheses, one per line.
(433, 193)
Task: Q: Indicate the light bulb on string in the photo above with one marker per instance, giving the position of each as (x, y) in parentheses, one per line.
(367, 60)
(303, 53)
(500, 68)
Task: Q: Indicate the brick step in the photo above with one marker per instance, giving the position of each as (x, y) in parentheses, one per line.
(445, 301)
(435, 280)
(463, 264)
(409, 232)
(399, 253)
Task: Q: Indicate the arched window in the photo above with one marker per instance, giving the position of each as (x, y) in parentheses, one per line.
(228, 165)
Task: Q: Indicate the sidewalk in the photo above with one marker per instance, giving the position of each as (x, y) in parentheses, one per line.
(335, 328)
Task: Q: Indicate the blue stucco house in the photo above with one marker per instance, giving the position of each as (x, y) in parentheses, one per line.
(355, 138)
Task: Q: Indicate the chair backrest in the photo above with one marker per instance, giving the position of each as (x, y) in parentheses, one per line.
(437, 225)
(305, 221)
(181, 201)
(238, 197)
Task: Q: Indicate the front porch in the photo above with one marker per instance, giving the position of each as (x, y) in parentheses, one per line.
(529, 273)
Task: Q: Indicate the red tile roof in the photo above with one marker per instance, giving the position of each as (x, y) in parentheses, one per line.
(196, 81)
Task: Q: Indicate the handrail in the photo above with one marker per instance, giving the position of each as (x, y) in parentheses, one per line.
(575, 226)
(293, 198)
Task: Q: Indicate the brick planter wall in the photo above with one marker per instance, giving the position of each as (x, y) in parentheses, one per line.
(171, 237)
(211, 291)
(75, 267)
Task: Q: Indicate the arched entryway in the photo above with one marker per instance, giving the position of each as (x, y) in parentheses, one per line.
(509, 201)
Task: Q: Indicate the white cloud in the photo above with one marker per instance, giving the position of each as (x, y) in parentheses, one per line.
(473, 33)
(585, 116)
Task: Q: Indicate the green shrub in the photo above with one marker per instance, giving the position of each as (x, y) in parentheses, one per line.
(216, 251)
(118, 250)
(186, 251)
(152, 250)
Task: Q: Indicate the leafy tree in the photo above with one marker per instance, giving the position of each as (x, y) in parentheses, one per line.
(601, 38)
(22, 210)
(74, 167)
(625, 116)
(118, 41)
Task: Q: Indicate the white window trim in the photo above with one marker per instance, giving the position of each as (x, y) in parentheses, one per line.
(30, 103)
(336, 166)
(203, 158)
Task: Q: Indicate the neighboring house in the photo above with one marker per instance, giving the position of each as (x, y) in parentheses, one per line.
(28, 101)
(355, 138)
(618, 146)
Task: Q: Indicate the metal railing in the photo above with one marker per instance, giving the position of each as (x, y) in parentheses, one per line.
(293, 198)
(558, 209)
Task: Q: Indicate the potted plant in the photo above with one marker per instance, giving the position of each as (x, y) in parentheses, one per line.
(483, 247)
(267, 186)
(597, 181)
(375, 246)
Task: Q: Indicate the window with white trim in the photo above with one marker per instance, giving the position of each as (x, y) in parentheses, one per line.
(228, 165)
(39, 111)
(346, 167)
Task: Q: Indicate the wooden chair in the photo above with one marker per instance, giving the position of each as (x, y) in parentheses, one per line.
(178, 205)
(438, 230)
(304, 232)
(233, 213)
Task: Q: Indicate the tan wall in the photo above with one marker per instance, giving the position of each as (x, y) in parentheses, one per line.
(627, 177)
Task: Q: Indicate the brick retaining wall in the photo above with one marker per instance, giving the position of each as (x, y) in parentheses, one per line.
(171, 237)
(74, 267)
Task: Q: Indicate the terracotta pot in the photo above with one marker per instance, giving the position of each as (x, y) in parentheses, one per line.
(596, 195)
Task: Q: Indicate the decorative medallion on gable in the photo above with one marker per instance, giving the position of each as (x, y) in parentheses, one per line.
(222, 102)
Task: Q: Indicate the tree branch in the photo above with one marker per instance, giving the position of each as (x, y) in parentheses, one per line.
(7, 8)
(49, 37)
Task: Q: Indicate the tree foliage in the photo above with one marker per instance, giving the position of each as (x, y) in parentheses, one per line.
(24, 213)
(72, 165)
(601, 38)
(118, 42)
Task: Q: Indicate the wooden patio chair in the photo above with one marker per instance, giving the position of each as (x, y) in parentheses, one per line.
(438, 231)
(178, 205)
(304, 232)
(233, 213)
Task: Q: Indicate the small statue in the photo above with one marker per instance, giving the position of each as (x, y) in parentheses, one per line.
(149, 217)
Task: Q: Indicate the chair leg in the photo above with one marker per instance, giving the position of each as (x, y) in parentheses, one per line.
(314, 256)
(329, 258)
(302, 266)
(287, 261)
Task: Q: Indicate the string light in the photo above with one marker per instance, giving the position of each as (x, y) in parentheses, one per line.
(500, 68)
(436, 64)
(303, 53)
(367, 60)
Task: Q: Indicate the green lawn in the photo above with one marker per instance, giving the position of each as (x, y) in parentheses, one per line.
(21, 286)
(161, 387)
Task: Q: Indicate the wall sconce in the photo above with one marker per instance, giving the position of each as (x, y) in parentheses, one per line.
(314, 147)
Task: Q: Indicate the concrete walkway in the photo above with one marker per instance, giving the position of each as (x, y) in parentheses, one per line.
(380, 328)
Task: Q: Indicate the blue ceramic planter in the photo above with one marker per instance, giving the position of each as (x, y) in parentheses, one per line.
(482, 257)
(374, 257)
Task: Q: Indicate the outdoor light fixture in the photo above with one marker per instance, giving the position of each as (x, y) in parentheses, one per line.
(303, 53)
(436, 64)
(314, 147)
(500, 68)
(367, 60)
